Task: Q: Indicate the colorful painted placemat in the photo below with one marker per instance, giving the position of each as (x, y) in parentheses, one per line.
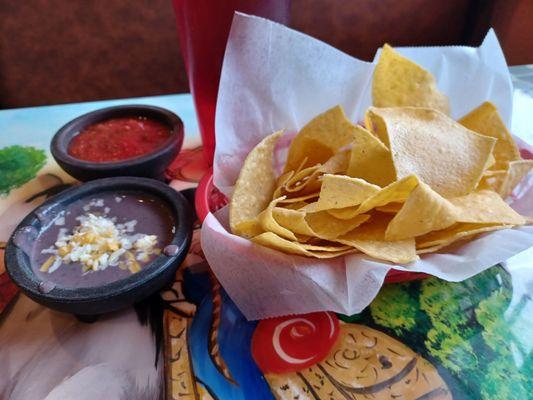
(426, 339)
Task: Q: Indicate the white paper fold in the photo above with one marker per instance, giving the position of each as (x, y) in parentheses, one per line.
(275, 78)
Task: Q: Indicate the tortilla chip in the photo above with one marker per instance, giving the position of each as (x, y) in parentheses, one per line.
(340, 191)
(370, 159)
(320, 139)
(442, 153)
(492, 180)
(344, 213)
(293, 220)
(516, 172)
(485, 120)
(397, 191)
(399, 82)
(255, 185)
(326, 227)
(301, 179)
(269, 224)
(485, 206)
(437, 240)
(424, 211)
(305, 197)
(280, 183)
(273, 241)
(369, 238)
(295, 206)
(249, 228)
(391, 208)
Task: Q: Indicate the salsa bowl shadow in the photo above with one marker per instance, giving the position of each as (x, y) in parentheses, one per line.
(150, 165)
(116, 295)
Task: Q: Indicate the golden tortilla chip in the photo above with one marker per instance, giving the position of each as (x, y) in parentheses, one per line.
(293, 220)
(273, 241)
(391, 208)
(249, 228)
(269, 223)
(516, 172)
(370, 159)
(320, 139)
(399, 82)
(301, 179)
(485, 120)
(424, 211)
(340, 191)
(397, 191)
(299, 199)
(295, 206)
(437, 240)
(326, 227)
(485, 206)
(280, 183)
(256, 183)
(369, 238)
(442, 153)
(344, 213)
(336, 164)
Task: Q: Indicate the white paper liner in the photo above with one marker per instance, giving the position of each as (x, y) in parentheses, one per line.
(275, 78)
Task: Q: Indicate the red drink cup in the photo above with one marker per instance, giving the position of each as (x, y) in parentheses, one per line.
(203, 27)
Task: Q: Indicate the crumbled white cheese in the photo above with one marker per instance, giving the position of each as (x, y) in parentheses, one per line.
(59, 221)
(97, 243)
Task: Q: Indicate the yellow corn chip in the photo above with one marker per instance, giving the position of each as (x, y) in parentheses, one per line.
(249, 228)
(293, 220)
(399, 82)
(485, 120)
(442, 153)
(391, 208)
(370, 159)
(320, 139)
(485, 206)
(295, 206)
(269, 224)
(326, 227)
(280, 183)
(256, 183)
(343, 213)
(273, 241)
(397, 191)
(369, 238)
(301, 179)
(424, 211)
(516, 172)
(305, 197)
(340, 191)
(437, 240)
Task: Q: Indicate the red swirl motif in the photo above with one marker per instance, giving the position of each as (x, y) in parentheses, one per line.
(292, 343)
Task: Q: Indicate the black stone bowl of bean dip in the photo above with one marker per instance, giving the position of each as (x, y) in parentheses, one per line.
(101, 246)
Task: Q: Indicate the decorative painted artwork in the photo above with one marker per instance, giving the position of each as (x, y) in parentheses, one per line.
(425, 339)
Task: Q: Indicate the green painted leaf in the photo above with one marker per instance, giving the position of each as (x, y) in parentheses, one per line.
(19, 165)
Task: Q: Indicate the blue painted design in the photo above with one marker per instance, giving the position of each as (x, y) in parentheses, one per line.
(235, 334)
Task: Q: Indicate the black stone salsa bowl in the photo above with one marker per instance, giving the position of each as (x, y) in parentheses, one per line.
(116, 295)
(150, 165)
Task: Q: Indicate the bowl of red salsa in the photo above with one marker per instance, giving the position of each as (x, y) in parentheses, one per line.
(129, 140)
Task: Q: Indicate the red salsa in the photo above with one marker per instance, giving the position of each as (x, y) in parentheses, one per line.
(118, 139)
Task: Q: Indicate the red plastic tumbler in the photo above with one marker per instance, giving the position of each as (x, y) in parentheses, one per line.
(204, 27)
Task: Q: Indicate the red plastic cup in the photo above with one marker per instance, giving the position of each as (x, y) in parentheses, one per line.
(204, 27)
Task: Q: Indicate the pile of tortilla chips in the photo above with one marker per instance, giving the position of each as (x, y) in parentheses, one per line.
(411, 181)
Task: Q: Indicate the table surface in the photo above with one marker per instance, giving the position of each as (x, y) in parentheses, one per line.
(423, 339)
